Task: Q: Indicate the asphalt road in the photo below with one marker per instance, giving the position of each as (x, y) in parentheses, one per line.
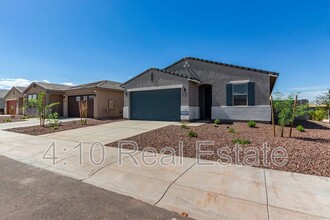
(27, 192)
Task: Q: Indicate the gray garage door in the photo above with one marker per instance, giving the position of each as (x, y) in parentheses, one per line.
(158, 105)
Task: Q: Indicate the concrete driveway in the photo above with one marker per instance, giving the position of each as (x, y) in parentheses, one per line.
(204, 192)
(110, 132)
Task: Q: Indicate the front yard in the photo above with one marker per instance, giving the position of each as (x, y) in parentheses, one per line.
(308, 152)
(39, 130)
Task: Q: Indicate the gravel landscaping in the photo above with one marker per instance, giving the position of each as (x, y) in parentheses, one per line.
(8, 119)
(308, 152)
(38, 130)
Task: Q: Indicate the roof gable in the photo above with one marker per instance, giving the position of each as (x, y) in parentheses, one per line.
(218, 63)
(48, 86)
(163, 71)
(19, 91)
(103, 84)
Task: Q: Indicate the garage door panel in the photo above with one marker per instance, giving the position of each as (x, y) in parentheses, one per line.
(161, 105)
(74, 106)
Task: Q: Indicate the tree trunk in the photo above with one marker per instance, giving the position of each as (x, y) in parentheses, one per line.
(282, 131)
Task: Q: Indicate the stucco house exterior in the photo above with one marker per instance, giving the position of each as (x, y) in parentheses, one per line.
(14, 101)
(54, 93)
(193, 89)
(3, 93)
(105, 99)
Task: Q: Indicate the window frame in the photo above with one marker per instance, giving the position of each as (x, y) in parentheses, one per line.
(32, 96)
(240, 94)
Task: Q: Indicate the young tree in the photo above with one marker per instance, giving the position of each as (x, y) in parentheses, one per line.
(324, 100)
(284, 108)
(42, 108)
(83, 111)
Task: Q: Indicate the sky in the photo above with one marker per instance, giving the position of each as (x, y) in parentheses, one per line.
(81, 41)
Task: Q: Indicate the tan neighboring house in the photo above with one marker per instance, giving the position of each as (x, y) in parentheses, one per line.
(3, 93)
(105, 99)
(14, 101)
(54, 93)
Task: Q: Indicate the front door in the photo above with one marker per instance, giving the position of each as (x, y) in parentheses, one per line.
(205, 101)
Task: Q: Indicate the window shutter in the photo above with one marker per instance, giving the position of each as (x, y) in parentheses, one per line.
(229, 94)
(251, 93)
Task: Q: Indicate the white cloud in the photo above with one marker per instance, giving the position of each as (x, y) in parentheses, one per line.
(8, 83)
(68, 83)
(46, 81)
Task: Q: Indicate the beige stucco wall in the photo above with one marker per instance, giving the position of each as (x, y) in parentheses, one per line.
(102, 101)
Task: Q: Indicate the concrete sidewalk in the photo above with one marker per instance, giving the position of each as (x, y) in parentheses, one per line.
(204, 192)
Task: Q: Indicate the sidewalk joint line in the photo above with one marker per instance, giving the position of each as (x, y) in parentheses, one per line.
(266, 194)
(174, 182)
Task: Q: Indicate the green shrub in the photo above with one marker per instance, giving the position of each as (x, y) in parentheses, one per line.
(240, 141)
(252, 124)
(184, 125)
(52, 120)
(231, 130)
(8, 120)
(318, 114)
(300, 128)
(24, 117)
(192, 133)
(217, 121)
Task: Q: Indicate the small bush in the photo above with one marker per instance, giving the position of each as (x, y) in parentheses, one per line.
(52, 120)
(231, 130)
(300, 128)
(24, 117)
(184, 125)
(192, 133)
(8, 120)
(240, 141)
(318, 114)
(217, 121)
(252, 124)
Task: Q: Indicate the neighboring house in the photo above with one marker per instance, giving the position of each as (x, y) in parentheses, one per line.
(3, 93)
(14, 101)
(192, 89)
(54, 93)
(105, 99)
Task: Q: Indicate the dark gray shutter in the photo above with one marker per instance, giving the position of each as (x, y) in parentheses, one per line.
(229, 94)
(251, 93)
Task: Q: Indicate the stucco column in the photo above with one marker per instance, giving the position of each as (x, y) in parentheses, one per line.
(65, 106)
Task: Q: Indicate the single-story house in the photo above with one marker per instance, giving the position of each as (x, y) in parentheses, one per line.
(14, 101)
(104, 98)
(54, 93)
(3, 93)
(192, 89)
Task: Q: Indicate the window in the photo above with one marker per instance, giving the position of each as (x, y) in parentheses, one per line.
(240, 94)
(32, 96)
